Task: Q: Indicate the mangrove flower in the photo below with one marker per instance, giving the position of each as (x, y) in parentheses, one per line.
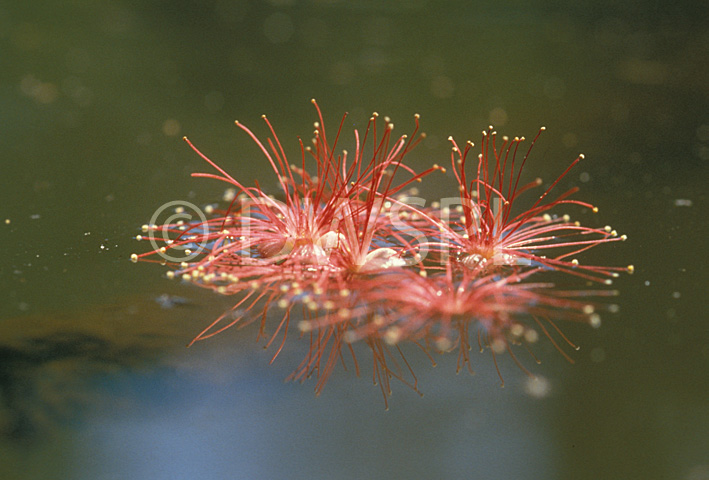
(345, 249)
(485, 230)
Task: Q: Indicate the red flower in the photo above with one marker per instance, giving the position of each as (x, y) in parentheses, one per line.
(485, 231)
(344, 250)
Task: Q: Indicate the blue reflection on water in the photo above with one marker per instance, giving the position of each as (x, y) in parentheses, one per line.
(252, 425)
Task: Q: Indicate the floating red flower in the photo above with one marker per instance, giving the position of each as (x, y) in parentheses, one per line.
(345, 251)
(484, 229)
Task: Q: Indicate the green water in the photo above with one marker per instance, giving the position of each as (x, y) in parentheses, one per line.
(95, 381)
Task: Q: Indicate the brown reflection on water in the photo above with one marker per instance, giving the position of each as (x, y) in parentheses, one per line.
(50, 362)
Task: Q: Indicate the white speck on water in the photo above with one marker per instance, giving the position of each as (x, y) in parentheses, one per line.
(35, 216)
(683, 202)
(537, 387)
(676, 294)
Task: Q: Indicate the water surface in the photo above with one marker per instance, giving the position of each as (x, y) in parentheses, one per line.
(95, 380)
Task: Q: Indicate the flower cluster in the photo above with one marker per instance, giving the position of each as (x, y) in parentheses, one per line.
(348, 248)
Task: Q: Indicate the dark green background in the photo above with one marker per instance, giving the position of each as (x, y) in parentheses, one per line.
(94, 379)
